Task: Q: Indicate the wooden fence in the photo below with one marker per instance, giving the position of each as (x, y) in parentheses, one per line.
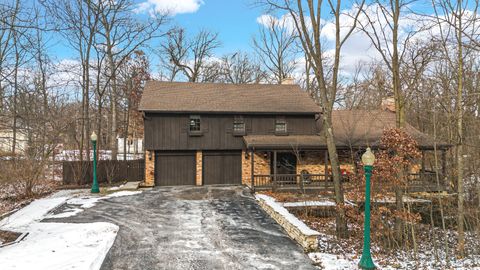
(108, 171)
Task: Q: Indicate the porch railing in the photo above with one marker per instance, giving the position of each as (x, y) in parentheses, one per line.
(270, 181)
(424, 181)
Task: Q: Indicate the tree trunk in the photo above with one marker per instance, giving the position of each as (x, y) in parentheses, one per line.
(341, 221)
(459, 148)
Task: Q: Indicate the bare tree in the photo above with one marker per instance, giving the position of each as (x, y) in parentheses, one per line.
(458, 32)
(309, 24)
(188, 56)
(239, 68)
(276, 48)
(122, 35)
(78, 22)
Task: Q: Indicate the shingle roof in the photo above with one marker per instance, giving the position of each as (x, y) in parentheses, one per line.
(361, 127)
(218, 97)
(284, 142)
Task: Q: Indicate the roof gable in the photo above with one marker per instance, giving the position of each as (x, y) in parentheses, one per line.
(225, 98)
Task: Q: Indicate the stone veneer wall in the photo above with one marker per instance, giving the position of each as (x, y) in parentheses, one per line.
(295, 228)
(261, 166)
(199, 172)
(314, 163)
(149, 180)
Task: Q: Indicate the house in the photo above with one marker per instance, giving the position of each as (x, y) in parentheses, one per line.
(204, 133)
(6, 141)
(258, 135)
(356, 129)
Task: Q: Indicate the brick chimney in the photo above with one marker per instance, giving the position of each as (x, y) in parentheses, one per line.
(288, 80)
(388, 104)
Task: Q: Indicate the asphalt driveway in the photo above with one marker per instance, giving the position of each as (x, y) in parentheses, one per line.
(194, 228)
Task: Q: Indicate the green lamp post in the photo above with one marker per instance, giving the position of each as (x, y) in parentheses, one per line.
(366, 262)
(95, 188)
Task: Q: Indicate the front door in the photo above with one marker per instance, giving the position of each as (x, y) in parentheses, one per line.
(286, 163)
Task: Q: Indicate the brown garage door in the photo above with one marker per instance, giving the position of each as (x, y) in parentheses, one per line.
(174, 168)
(222, 167)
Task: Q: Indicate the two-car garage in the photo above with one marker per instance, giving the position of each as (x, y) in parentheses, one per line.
(180, 168)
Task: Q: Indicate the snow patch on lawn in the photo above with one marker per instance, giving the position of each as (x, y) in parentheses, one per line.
(61, 246)
(34, 212)
(309, 203)
(277, 207)
(331, 261)
(58, 245)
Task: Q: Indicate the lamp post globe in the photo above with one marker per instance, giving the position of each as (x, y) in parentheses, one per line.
(93, 137)
(366, 262)
(95, 188)
(368, 158)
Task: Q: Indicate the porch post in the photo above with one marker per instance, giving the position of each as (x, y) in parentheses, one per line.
(274, 167)
(326, 166)
(252, 169)
(444, 166)
(422, 169)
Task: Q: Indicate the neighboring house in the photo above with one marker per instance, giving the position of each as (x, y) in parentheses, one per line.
(6, 141)
(254, 134)
(133, 145)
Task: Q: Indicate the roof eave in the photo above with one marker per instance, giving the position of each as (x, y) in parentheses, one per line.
(229, 112)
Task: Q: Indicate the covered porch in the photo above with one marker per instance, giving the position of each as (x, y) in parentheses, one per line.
(287, 162)
(302, 163)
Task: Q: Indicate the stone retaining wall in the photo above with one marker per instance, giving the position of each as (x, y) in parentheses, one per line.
(294, 227)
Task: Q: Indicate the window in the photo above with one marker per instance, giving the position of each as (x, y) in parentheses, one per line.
(280, 126)
(194, 125)
(238, 126)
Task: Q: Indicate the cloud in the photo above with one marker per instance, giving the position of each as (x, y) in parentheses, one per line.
(170, 7)
(358, 49)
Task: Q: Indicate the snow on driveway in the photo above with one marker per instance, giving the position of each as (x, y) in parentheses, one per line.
(58, 245)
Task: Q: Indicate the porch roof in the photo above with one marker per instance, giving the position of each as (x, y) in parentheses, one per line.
(285, 142)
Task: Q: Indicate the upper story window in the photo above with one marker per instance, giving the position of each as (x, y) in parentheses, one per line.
(195, 127)
(280, 126)
(238, 126)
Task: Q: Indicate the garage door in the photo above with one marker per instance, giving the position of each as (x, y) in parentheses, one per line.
(222, 168)
(174, 168)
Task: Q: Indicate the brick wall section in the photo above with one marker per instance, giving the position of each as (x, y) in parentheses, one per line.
(199, 171)
(149, 169)
(261, 166)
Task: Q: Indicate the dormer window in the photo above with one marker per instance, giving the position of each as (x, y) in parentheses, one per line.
(195, 127)
(280, 126)
(238, 126)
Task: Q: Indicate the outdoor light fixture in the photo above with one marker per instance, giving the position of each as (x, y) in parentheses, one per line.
(93, 137)
(368, 158)
(366, 262)
(95, 188)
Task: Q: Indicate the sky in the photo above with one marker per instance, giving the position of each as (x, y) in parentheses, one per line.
(238, 21)
(234, 20)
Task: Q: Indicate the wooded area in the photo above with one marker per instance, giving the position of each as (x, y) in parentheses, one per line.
(427, 59)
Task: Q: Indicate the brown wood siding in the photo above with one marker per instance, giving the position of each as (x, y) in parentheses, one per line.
(170, 131)
(174, 168)
(222, 167)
